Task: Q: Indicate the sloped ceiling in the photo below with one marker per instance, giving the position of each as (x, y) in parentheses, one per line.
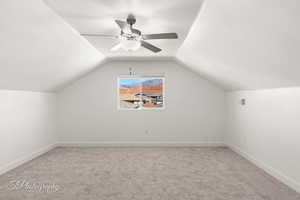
(153, 16)
(38, 50)
(246, 44)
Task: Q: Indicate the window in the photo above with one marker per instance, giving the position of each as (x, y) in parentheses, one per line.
(136, 93)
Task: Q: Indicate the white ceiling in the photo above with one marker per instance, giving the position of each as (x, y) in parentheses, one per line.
(38, 50)
(246, 44)
(153, 16)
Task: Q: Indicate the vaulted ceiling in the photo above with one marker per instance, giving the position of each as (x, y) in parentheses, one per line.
(39, 51)
(153, 16)
(245, 44)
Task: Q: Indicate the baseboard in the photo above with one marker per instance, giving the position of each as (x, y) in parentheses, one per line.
(270, 170)
(140, 144)
(25, 159)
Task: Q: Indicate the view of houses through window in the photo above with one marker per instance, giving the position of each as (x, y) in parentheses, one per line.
(141, 93)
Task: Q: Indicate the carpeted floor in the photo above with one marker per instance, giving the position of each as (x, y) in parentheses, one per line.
(141, 174)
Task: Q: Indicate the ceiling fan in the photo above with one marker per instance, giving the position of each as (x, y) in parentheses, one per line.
(132, 39)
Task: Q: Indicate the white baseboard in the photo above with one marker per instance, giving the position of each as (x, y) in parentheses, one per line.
(270, 170)
(25, 159)
(139, 144)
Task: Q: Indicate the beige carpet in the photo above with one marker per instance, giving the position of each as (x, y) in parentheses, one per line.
(142, 174)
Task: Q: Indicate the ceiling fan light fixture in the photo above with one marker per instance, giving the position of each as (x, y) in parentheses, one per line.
(130, 44)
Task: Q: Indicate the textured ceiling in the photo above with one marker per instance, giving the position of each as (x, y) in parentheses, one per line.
(155, 16)
(246, 44)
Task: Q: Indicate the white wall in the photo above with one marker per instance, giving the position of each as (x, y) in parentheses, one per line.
(267, 130)
(28, 121)
(194, 108)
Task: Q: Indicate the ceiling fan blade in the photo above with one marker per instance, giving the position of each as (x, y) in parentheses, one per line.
(121, 24)
(99, 35)
(150, 46)
(160, 36)
(118, 46)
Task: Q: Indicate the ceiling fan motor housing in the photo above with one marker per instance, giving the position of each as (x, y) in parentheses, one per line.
(136, 32)
(131, 19)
